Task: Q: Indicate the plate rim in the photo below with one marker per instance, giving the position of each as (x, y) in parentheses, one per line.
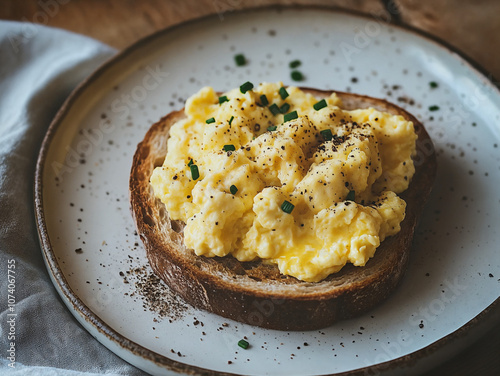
(486, 318)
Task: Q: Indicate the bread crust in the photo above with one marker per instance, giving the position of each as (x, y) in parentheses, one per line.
(254, 292)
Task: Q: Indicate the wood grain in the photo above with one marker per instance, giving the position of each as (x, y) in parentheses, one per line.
(470, 25)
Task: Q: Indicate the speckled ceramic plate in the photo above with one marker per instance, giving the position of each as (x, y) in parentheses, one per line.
(450, 293)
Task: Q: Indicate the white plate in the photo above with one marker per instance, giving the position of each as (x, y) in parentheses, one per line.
(88, 234)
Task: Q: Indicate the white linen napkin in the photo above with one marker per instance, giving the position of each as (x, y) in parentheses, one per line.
(39, 66)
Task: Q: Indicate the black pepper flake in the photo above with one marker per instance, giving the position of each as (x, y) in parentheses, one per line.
(156, 296)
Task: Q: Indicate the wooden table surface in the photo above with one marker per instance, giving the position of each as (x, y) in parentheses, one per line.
(472, 26)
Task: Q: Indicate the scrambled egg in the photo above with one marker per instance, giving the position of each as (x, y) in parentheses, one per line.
(291, 180)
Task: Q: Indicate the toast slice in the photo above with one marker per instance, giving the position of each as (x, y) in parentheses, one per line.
(255, 292)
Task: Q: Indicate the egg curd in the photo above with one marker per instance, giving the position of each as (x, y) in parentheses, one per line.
(277, 174)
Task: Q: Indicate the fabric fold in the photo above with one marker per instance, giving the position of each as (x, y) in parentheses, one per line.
(39, 68)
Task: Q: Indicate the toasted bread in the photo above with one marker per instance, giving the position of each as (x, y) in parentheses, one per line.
(255, 292)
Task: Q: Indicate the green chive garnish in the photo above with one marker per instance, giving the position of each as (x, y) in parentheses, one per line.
(351, 196)
(319, 105)
(229, 148)
(272, 128)
(433, 84)
(195, 174)
(190, 162)
(433, 108)
(274, 109)
(283, 93)
(240, 60)
(290, 116)
(243, 344)
(246, 86)
(233, 189)
(231, 120)
(210, 121)
(297, 76)
(284, 109)
(223, 99)
(263, 100)
(287, 207)
(295, 64)
(327, 134)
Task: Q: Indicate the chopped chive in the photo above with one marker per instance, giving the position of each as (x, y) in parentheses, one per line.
(233, 189)
(433, 108)
(195, 174)
(223, 99)
(263, 100)
(296, 75)
(351, 196)
(231, 120)
(433, 84)
(290, 116)
(190, 162)
(229, 147)
(240, 60)
(319, 105)
(272, 128)
(294, 64)
(327, 134)
(287, 207)
(284, 109)
(246, 86)
(210, 121)
(274, 109)
(283, 93)
(243, 344)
